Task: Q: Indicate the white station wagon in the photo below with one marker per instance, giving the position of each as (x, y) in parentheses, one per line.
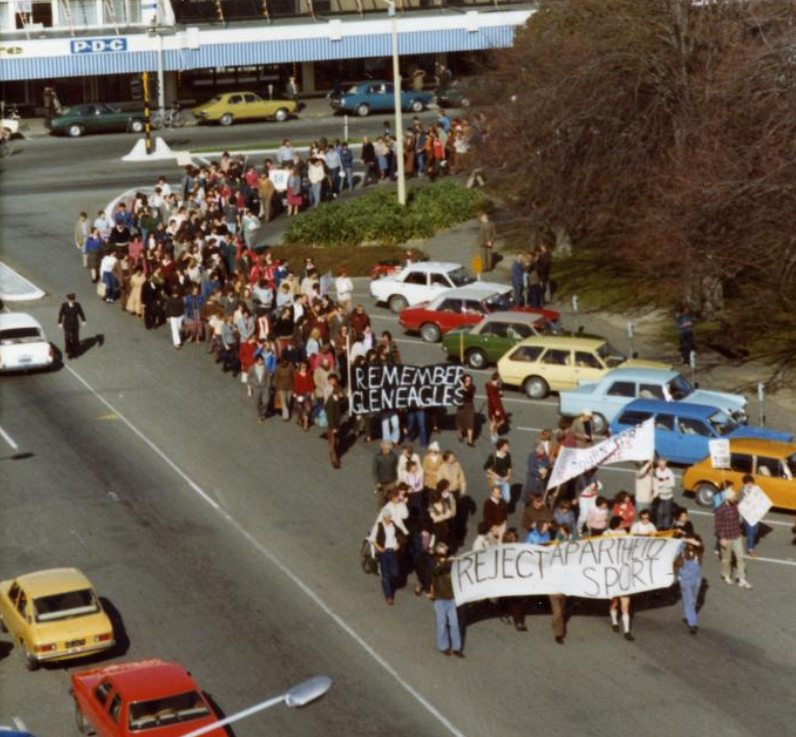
(422, 282)
(23, 344)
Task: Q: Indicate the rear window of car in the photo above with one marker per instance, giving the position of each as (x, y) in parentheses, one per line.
(19, 335)
(167, 710)
(65, 606)
(633, 417)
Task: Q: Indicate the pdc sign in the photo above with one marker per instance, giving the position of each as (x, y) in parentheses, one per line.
(97, 45)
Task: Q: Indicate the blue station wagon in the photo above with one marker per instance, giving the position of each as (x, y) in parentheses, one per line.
(682, 429)
(607, 397)
(363, 98)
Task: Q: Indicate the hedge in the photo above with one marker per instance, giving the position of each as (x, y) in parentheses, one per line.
(377, 218)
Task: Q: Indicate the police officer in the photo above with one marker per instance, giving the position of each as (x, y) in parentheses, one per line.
(69, 318)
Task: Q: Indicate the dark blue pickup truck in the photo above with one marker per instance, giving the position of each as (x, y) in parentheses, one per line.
(363, 98)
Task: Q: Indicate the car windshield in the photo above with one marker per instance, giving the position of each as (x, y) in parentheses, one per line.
(722, 423)
(461, 277)
(789, 467)
(610, 356)
(678, 388)
(20, 335)
(498, 302)
(167, 710)
(65, 606)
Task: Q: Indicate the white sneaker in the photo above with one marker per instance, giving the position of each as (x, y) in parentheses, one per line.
(727, 580)
(744, 584)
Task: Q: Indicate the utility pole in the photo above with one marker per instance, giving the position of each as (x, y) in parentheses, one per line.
(147, 122)
(399, 123)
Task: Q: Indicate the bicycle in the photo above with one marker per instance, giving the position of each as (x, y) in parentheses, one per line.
(172, 117)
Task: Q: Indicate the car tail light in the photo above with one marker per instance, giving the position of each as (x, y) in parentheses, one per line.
(105, 637)
(45, 648)
(52, 353)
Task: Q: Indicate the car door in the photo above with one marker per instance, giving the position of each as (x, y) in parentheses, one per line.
(12, 617)
(99, 704)
(493, 339)
(556, 368)
(587, 367)
(692, 438)
(438, 283)
(415, 287)
(520, 363)
(772, 477)
(93, 120)
(113, 119)
(383, 99)
(665, 435)
(447, 313)
(255, 106)
(473, 311)
(236, 106)
(614, 396)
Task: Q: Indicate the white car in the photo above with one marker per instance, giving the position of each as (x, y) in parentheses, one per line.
(23, 344)
(422, 282)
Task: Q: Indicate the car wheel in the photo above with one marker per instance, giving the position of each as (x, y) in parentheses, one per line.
(599, 424)
(536, 387)
(137, 126)
(416, 106)
(704, 493)
(75, 131)
(430, 333)
(226, 119)
(30, 662)
(282, 115)
(397, 303)
(80, 719)
(476, 359)
(363, 110)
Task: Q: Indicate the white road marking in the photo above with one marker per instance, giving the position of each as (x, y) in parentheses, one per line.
(522, 401)
(19, 724)
(773, 560)
(336, 618)
(8, 439)
(171, 464)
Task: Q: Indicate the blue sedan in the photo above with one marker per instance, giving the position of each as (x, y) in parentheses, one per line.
(682, 430)
(363, 98)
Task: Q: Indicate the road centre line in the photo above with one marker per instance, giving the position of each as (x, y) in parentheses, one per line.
(8, 439)
(19, 724)
(266, 552)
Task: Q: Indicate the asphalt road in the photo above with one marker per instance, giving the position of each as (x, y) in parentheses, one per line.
(232, 547)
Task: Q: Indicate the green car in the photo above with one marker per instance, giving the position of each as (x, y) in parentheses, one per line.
(97, 117)
(486, 342)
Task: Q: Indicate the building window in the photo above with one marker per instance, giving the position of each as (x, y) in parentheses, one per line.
(79, 13)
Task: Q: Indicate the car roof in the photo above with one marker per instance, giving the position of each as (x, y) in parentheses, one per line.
(18, 320)
(471, 291)
(426, 266)
(757, 446)
(53, 581)
(370, 81)
(563, 341)
(142, 680)
(238, 92)
(529, 318)
(642, 374)
(681, 409)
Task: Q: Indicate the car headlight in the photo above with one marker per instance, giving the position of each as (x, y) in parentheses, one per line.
(342, 100)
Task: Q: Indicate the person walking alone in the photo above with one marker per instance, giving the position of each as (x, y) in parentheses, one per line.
(69, 318)
(730, 535)
(259, 383)
(690, 578)
(486, 241)
(449, 638)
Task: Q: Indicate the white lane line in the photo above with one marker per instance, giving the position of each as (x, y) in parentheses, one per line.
(19, 724)
(171, 464)
(773, 560)
(523, 401)
(336, 618)
(8, 439)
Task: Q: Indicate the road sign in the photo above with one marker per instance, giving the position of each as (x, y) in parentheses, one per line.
(98, 45)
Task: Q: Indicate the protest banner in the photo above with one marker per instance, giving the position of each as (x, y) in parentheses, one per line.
(378, 388)
(719, 450)
(594, 568)
(280, 178)
(754, 505)
(635, 444)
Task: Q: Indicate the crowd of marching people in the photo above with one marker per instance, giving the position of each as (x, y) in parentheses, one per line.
(186, 260)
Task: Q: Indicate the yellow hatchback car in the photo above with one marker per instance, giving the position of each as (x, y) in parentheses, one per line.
(230, 107)
(545, 363)
(772, 464)
(54, 615)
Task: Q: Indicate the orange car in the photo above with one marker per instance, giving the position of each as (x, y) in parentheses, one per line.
(772, 464)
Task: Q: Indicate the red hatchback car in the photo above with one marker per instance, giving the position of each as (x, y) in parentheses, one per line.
(129, 699)
(458, 308)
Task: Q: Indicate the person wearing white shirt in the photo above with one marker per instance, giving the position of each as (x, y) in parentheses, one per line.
(407, 455)
(396, 506)
(103, 225)
(643, 525)
(344, 288)
(316, 174)
(285, 153)
(663, 483)
(108, 276)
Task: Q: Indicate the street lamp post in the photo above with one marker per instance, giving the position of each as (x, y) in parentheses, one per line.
(300, 695)
(399, 123)
(159, 31)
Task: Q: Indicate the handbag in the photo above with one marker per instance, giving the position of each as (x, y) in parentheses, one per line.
(101, 289)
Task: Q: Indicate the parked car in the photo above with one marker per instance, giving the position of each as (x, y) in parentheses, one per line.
(141, 697)
(23, 344)
(607, 397)
(54, 615)
(97, 117)
(484, 343)
(464, 306)
(548, 363)
(682, 429)
(772, 464)
(419, 282)
(364, 98)
(230, 107)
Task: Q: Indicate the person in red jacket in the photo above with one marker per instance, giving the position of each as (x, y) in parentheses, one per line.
(624, 509)
(303, 392)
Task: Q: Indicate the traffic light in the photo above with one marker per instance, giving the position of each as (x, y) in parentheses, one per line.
(136, 90)
(153, 87)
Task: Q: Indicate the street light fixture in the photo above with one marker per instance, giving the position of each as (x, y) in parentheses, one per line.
(300, 695)
(396, 83)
